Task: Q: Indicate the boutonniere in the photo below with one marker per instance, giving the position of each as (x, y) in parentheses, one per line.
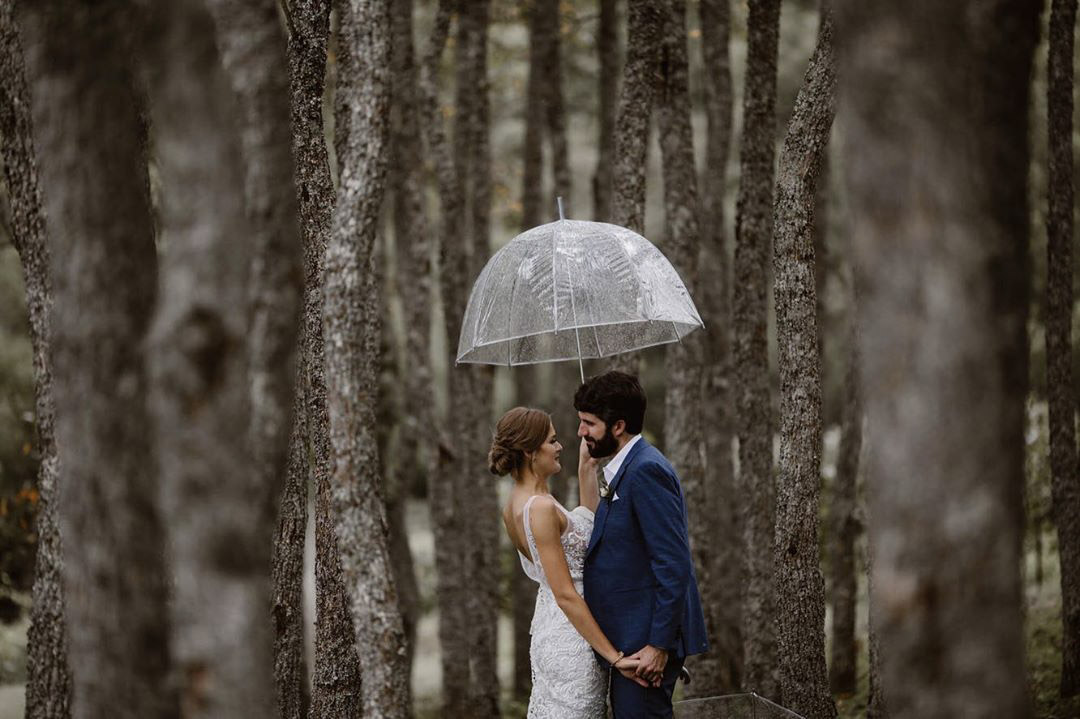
(604, 490)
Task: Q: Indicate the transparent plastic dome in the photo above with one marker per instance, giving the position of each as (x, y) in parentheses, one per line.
(573, 290)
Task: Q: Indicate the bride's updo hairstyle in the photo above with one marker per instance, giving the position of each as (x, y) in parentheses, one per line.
(519, 431)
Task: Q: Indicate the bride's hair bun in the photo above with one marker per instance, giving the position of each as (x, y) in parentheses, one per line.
(518, 431)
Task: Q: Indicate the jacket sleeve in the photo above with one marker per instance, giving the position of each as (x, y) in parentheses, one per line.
(658, 508)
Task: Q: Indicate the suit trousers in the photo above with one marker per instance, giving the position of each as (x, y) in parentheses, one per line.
(630, 700)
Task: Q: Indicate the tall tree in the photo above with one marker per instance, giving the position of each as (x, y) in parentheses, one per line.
(938, 180)
(250, 36)
(844, 525)
(644, 30)
(1065, 481)
(336, 684)
(88, 118)
(800, 587)
(444, 488)
(48, 685)
(721, 669)
(555, 106)
(207, 358)
(472, 388)
(607, 46)
(684, 361)
(351, 324)
(412, 244)
(252, 44)
(754, 423)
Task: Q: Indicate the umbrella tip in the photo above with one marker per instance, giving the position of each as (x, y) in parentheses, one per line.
(558, 202)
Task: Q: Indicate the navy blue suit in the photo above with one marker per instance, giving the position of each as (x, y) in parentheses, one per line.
(639, 576)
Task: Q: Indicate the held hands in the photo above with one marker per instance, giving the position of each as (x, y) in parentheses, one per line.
(651, 662)
(627, 666)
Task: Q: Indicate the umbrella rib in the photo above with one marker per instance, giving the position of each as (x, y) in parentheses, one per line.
(554, 284)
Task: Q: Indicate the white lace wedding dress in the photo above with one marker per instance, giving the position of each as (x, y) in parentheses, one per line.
(568, 683)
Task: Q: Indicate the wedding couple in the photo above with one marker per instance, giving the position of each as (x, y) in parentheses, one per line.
(617, 610)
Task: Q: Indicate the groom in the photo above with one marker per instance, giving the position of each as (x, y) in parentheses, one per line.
(639, 577)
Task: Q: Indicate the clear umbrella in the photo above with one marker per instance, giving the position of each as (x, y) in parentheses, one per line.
(574, 290)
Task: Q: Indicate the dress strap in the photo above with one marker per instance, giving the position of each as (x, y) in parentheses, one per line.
(528, 530)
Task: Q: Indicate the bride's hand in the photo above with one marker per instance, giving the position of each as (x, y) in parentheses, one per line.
(628, 668)
(586, 463)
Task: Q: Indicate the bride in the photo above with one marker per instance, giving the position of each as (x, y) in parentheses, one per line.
(568, 681)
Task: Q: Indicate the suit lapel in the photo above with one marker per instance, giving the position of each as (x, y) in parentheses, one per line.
(605, 503)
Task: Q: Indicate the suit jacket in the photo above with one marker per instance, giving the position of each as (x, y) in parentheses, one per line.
(639, 576)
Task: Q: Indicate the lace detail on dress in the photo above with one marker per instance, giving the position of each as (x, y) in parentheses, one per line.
(568, 683)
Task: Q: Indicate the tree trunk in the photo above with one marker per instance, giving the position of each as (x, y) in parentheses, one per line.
(444, 487)
(336, 685)
(89, 123)
(253, 49)
(216, 494)
(754, 424)
(938, 167)
(555, 106)
(473, 385)
(644, 33)
(876, 707)
(684, 360)
(1059, 304)
(251, 41)
(607, 45)
(388, 419)
(351, 323)
(844, 526)
(287, 574)
(532, 175)
(800, 587)
(48, 685)
(644, 30)
(719, 671)
(413, 246)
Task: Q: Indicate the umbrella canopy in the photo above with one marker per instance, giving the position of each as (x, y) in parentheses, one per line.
(574, 290)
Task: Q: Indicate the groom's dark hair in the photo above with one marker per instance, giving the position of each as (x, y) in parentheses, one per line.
(613, 396)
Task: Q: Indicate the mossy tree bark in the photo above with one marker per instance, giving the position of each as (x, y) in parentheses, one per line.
(352, 336)
(754, 422)
(800, 587)
(48, 683)
(720, 671)
(90, 129)
(1065, 482)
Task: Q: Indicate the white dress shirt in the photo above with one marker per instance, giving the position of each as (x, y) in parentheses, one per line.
(612, 468)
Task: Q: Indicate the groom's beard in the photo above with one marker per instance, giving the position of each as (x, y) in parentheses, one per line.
(603, 447)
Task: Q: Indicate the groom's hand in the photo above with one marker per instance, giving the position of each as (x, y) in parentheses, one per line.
(651, 663)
